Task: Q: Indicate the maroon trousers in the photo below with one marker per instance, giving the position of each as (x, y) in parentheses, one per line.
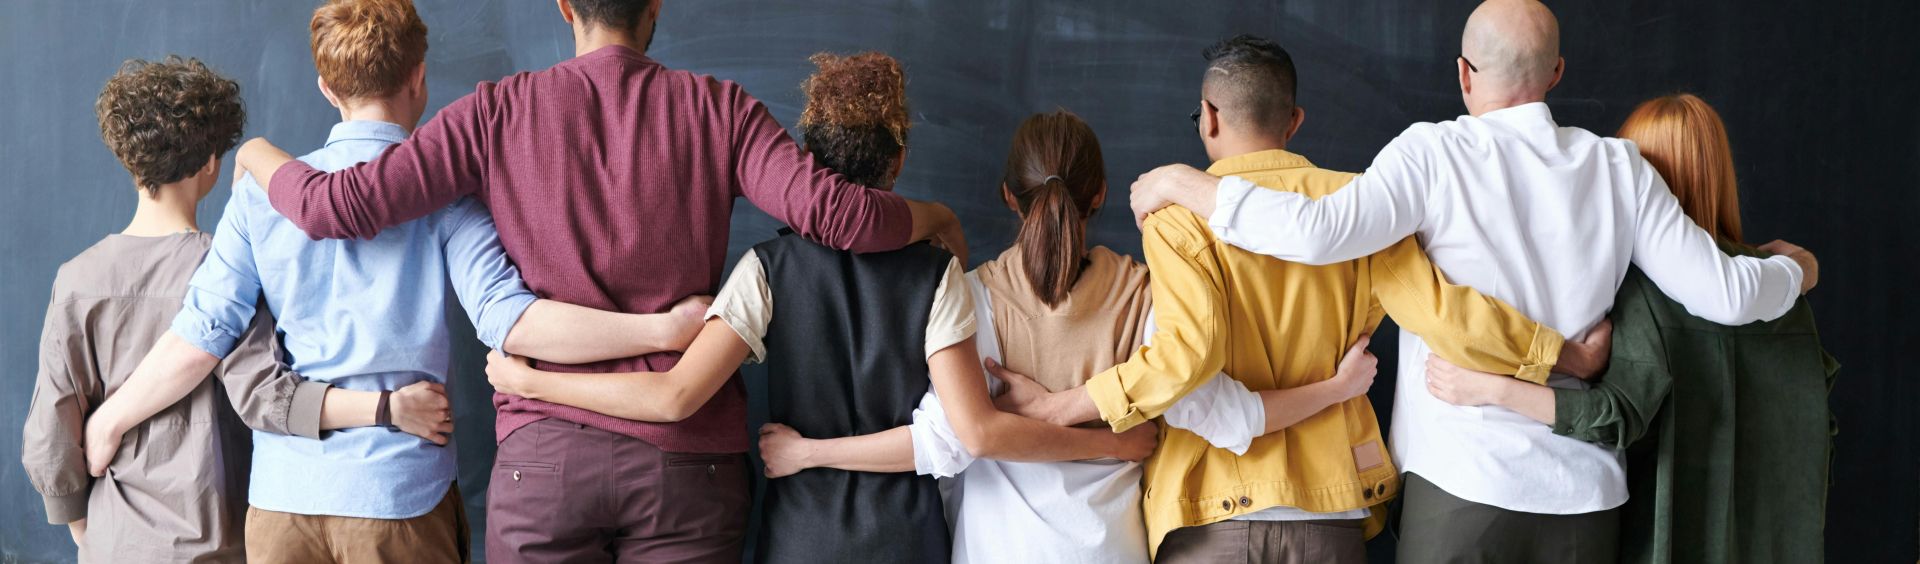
(565, 492)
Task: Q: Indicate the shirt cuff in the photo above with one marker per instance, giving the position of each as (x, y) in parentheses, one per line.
(1227, 198)
(303, 419)
(501, 317)
(1796, 277)
(201, 332)
(1567, 410)
(1542, 355)
(756, 348)
(1223, 412)
(937, 451)
(63, 509)
(1115, 408)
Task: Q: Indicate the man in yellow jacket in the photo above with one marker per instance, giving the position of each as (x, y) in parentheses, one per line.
(1310, 488)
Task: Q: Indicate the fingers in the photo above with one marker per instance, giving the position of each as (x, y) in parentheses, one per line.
(1361, 343)
(1009, 376)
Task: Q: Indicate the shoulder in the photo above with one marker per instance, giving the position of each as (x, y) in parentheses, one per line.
(1178, 228)
(77, 274)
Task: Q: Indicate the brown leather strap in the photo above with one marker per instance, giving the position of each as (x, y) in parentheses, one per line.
(382, 415)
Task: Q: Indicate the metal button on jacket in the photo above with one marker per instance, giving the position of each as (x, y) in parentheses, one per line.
(1246, 501)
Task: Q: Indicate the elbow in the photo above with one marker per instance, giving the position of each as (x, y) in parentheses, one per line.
(978, 439)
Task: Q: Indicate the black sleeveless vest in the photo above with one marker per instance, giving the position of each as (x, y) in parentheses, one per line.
(846, 356)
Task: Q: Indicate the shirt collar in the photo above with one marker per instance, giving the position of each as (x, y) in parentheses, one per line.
(367, 130)
(1525, 114)
(1271, 159)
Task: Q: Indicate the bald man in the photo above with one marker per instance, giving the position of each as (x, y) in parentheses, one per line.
(1547, 218)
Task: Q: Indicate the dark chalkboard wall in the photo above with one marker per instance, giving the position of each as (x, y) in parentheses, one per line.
(1820, 100)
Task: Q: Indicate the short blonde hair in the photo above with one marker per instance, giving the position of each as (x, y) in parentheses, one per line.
(367, 48)
(1685, 141)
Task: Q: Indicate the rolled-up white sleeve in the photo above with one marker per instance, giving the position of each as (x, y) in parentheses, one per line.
(937, 450)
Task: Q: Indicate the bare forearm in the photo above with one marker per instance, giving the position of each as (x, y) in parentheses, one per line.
(346, 409)
(886, 451)
(1532, 400)
(1288, 407)
(1005, 436)
(261, 159)
(640, 396)
(1194, 192)
(1071, 407)
(570, 334)
(930, 219)
(169, 372)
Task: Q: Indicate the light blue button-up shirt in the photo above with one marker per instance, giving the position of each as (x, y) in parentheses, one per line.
(361, 315)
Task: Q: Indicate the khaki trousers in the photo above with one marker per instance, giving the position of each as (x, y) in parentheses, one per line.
(440, 536)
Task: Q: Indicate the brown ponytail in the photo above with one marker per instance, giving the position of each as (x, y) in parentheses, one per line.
(1054, 175)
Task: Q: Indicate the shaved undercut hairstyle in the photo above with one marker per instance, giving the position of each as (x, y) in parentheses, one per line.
(1250, 80)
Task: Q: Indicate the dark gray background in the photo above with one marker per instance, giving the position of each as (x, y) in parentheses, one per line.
(1818, 100)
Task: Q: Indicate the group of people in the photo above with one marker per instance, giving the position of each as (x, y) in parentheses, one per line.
(1058, 403)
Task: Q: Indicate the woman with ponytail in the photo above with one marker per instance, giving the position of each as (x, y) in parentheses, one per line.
(1052, 307)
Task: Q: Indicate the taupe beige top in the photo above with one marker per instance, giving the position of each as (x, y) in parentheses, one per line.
(177, 490)
(1048, 343)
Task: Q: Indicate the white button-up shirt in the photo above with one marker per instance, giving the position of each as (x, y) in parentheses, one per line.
(1547, 218)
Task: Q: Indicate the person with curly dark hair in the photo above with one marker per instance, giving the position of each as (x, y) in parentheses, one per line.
(179, 494)
(852, 343)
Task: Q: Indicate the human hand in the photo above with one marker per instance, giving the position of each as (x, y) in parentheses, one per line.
(421, 410)
(1809, 266)
(685, 321)
(953, 240)
(1586, 358)
(1024, 397)
(79, 531)
(102, 441)
(1354, 376)
(1174, 184)
(1136, 444)
(1467, 388)
(508, 374)
(784, 450)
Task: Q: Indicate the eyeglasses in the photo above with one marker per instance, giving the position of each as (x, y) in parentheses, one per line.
(1470, 67)
(1195, 116)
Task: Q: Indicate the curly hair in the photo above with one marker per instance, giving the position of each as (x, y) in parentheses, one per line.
(163, 120)
(367, 48)
(856, 116)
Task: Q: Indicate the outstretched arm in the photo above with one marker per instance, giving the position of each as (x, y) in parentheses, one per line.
(569, 334)
(1368, 214)
(641, 396)
(786, 452)
(442, 161)
(821, 205)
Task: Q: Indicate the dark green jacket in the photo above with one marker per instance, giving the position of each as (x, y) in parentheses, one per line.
(1731, 466)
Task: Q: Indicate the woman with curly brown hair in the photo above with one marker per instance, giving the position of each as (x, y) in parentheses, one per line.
(847, 339)
(180, 493)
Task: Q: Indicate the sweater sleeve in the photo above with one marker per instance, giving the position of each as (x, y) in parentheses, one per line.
(439, 163)
(776, 176)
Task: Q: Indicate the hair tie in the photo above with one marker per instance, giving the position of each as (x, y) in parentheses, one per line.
(1052, 177)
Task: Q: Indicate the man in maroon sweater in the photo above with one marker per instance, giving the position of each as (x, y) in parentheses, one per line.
(612, 179)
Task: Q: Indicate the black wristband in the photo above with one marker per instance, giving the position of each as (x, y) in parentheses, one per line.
(382, 415)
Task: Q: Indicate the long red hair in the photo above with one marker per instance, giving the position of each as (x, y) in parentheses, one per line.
(1684, 139)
